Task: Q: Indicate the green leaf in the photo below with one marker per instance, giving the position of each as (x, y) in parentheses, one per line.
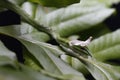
(6, 74)
(30, 61)
(46, 56)
(9, 68)
(42, 11)
(61, 18)
(75, 63)
(26, 30)
(77, 17)
(46, 75)
(34, 74)
(25, 73)
(36, 11)
(106, 47)
(101, 71)
(39, 36)
(55, 3)
(107, 3)
(6, 62)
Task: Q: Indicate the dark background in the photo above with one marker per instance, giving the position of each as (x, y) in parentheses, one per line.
(9, 17)
(114, 21)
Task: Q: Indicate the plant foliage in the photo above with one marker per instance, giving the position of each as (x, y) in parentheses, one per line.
(61, 22)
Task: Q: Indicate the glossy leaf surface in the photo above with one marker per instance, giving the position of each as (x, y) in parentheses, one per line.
(106, 47)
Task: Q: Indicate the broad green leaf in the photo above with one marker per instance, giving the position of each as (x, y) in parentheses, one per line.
(101, 71)
(55, 3)
(75, 63)
(107, 3)
(9, 68)
(62, 23)
(34, 74)
(76, 18)
(106, 47)
(33, 65)
(42, 11)
(31, 62)
(47, 59)
(26, 30)
(6, 74)
(46, 75)
(25, 73)
(39, 36)
(46, 54)
(6, 62)
(10, 30)
(35, 11)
